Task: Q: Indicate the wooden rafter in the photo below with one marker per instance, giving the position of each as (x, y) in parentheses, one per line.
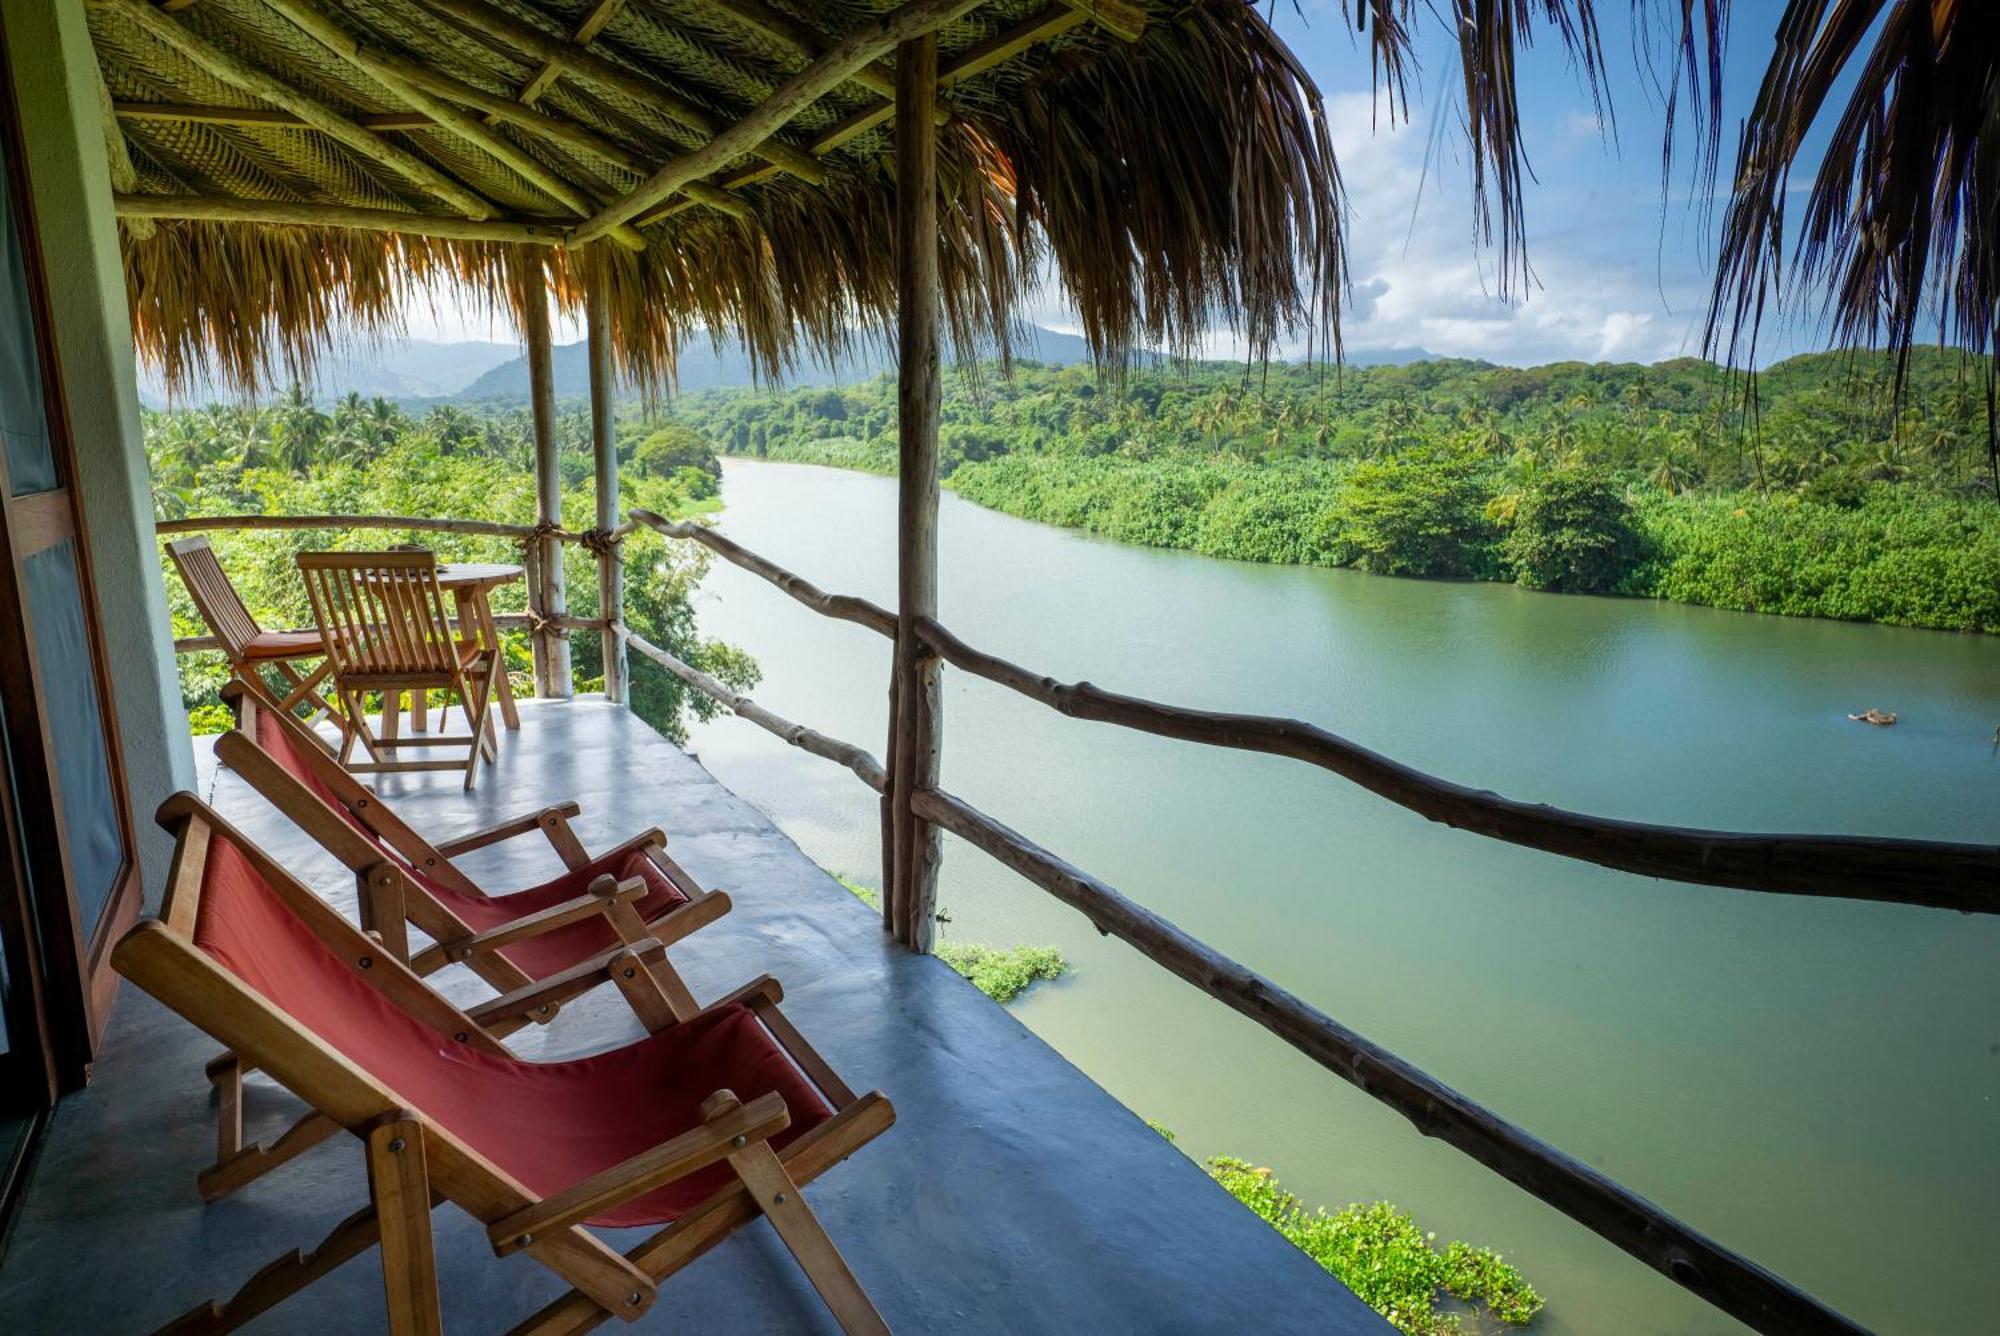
(211, 208)
(595, 69)
(249, 79)
(828, 72)
(595, 22)
(404, 78)
(1043, 26)
(801, 40)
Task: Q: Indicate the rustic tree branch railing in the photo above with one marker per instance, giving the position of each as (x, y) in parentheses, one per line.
(845, 607)
(1725, 1279)
(865, 767)
(1932, 873)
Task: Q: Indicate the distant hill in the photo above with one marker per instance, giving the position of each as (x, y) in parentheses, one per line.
(416, 372)
(1389, 356)
(705, 367)
(390, 368)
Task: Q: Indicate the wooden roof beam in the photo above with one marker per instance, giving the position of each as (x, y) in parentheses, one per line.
(124, 176)
(801, 90)
(249, 79)
(264, 118)
(404, 79)
(259, 117)
(595, 69)
(211, 208)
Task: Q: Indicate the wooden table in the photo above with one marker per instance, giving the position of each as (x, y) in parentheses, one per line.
(469, 582)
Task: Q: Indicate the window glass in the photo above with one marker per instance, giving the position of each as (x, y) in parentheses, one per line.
(24, 425)
(69, 692)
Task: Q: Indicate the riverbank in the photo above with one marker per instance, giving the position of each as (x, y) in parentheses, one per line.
(1873, 552)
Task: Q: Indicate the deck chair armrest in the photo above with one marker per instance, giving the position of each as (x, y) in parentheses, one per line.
(553, 820)
(542, 920)
(759, 1120)
(561, 986)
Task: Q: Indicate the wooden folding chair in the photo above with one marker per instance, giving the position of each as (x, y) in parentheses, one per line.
(382, 617)
(547, 942)
(246, 645)
(697, 1127)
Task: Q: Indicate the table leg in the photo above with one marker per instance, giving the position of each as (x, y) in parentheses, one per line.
(490, 637)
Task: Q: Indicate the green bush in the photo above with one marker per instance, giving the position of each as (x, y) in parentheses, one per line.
(1419, 513)
(1381, 1254)
(1900, 558)
(1572, 532)
(1002, 973)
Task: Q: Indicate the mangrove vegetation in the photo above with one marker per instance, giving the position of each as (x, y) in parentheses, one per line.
(1812, 489)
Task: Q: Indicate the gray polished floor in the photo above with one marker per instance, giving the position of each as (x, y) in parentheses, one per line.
(1013, 1195)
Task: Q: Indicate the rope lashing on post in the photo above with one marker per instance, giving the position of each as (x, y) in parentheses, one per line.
(603, 542)
(546, 626)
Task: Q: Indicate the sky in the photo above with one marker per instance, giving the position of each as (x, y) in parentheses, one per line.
(1620, 266)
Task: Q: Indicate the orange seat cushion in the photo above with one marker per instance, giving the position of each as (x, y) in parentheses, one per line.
(284, 645)
(548, 1124)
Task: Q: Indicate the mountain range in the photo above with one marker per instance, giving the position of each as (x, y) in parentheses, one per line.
(392, 368)
(704, 366)
(420, 372)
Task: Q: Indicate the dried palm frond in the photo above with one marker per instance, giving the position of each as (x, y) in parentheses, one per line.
(1902, 222)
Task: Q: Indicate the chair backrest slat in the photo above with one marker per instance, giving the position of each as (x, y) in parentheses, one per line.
(380, 612)
(214, 596)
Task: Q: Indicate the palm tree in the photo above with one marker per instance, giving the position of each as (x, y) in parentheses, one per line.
(301, 428)
(1903, 216)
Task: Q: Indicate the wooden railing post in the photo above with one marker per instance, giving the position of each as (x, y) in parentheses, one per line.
(914, 758)
(604, 445)
(552, 675)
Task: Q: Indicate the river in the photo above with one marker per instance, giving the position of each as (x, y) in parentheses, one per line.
(1813, 1083)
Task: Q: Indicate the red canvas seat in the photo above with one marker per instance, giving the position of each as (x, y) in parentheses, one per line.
(539, 956)
(551, 951)
(718, 1116)
(549, 1125)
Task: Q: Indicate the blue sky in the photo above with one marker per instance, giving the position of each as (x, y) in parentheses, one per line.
(1621, 273)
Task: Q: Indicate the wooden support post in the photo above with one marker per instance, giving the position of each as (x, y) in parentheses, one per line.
(604, 445)
(552, 675)
(915, 766)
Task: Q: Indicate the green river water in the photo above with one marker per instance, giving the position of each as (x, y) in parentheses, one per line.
(1814, 1083)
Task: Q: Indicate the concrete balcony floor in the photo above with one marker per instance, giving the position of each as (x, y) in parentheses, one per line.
(1013, 1195)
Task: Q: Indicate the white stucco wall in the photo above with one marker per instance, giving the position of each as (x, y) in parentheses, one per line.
(55, 83)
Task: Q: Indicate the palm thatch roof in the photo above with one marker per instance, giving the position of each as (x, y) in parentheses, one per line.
(288, 168)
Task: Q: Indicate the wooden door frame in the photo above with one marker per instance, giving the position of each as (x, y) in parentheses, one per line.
(73, 984)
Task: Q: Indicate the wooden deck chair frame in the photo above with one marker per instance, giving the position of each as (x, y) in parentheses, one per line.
(391, 900)
(382, 617)
(412, 1163)
(231, 623)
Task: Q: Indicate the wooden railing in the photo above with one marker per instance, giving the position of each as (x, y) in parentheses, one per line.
(1926, 873)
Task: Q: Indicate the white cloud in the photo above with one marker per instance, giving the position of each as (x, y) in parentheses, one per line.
(1427, 284)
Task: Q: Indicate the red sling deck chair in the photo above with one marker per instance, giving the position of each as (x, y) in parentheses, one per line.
(547, 943)
(647, 1134)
